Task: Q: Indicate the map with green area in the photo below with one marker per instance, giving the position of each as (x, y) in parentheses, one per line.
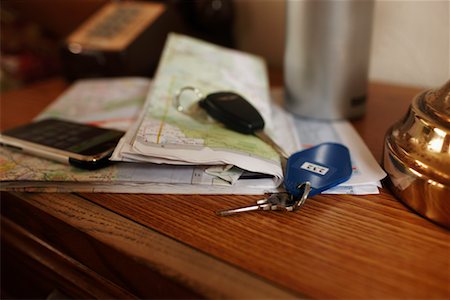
(188, 62)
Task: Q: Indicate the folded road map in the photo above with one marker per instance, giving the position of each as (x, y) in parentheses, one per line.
(168, 151)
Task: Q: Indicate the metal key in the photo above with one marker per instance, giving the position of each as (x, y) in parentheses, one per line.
(272, 202)
(279, 201)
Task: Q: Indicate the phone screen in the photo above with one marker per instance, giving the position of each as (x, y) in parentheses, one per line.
(67, 136)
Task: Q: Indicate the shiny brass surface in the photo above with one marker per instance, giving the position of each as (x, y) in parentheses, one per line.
(417, 155)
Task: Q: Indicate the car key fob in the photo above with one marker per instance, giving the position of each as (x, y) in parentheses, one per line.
(323, 166)
(234, 111)
(237, 114)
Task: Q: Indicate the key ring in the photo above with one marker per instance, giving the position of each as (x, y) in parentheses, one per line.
(178, 104)
(306, 187)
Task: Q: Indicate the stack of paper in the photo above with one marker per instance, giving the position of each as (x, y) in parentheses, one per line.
(165, 135)
(167, 151)
(112, 103)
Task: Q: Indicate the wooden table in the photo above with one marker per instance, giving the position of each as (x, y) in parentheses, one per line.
(171, 246)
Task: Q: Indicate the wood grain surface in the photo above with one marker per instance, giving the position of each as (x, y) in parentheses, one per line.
(386, 104)
(335, 247)
(73, 276)
(20, 106)
(148, 264)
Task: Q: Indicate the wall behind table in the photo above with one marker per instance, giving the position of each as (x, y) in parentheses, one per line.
(410, 41)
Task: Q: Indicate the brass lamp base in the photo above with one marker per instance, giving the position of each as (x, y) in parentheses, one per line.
(417, 156)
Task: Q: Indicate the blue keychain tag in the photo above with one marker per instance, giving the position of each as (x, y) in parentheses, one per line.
(307, 173)
(323, 166)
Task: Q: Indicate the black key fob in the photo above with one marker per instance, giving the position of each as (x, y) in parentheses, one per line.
(233, 111)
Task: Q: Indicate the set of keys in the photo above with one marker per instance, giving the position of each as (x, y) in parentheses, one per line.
(306, 173)
(283, 201)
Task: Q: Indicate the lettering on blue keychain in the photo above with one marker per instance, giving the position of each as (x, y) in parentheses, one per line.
(323, 166)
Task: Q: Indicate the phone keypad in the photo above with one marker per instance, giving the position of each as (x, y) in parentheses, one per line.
(61, 134)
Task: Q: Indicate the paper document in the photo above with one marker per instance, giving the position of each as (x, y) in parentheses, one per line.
(165, 135)
(23, 172)
(113, 103)
(110, 103)
(167, 151)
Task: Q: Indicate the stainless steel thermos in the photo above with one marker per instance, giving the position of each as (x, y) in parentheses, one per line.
(326, 59)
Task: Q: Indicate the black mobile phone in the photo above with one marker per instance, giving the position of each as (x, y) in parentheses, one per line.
(83, 146)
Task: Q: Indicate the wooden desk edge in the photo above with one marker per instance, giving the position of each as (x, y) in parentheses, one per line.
(202, 274)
